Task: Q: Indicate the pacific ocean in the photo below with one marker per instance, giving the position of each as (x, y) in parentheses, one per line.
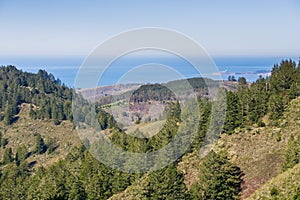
(66, 67)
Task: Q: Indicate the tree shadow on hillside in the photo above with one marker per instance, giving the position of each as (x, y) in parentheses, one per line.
(15, 119)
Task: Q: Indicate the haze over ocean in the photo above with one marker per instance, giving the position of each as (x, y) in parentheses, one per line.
(65, 67)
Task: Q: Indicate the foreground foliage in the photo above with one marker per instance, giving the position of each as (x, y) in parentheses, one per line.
(218, 179)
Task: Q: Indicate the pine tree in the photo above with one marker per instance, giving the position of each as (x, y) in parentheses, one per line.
(166, 183)
(243, 96)
(7, 156)
(8, 114)
(276, 106)
(21, 154)
(242, 81)
(294, 91)
(68, 110)
(77, 191)
(204, 120)
(282, 76)
(218, 179)
(292, 155)
(55, 114)
(3, 142)
(258, 100)
(40, 146)
(233, 116)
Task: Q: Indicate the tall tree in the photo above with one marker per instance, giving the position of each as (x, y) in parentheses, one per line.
(233, 116)
(40, 146)
(242, 81)
(292, 153)
(3, 142)
(77, 191)
(218, 179)
(7, 156)
(8, 113)
(276, 106)
(282, 76)
(21, 154)
(204, 120)
(166, 183)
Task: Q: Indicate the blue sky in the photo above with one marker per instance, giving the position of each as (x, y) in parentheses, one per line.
(75, 27)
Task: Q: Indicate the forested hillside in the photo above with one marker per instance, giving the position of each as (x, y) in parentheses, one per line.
(42, 158)
(49, 99)
(267, 97)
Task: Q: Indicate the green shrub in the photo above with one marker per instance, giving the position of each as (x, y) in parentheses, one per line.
(278, 136)
(274, 192)
(261, 124)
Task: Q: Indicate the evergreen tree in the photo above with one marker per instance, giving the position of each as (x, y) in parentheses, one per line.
(242, 81)
(8, 114)
(103, 119)
(276, 106)
(40, 146)
(218, 179)
(68, 110)
(218, 114)
(233, 116)
(51, 145)
(231, 78)
(7, 156)
(77, 191)
(292, 153)
(55, 114)
(204, 120)
(282, 76)
(3, 142)
(294, 91)
(166, 183)
(258, 100)
(283, 87)
(13, 183)
(21, 154)
(243, 96)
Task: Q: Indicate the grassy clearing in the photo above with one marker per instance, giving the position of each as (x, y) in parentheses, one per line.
(23, 132)
(284, 186)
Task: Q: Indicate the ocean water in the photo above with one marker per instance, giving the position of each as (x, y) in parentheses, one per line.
(145, 70)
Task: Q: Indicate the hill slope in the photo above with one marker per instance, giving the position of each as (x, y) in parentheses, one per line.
(284, 186)
(39, 121)
(258, 151)
(35, 109)
(23, 132)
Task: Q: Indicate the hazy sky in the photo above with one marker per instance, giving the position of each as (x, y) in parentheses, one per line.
(75, 27)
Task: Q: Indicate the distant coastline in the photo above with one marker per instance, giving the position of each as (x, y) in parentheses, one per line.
(65, 68)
